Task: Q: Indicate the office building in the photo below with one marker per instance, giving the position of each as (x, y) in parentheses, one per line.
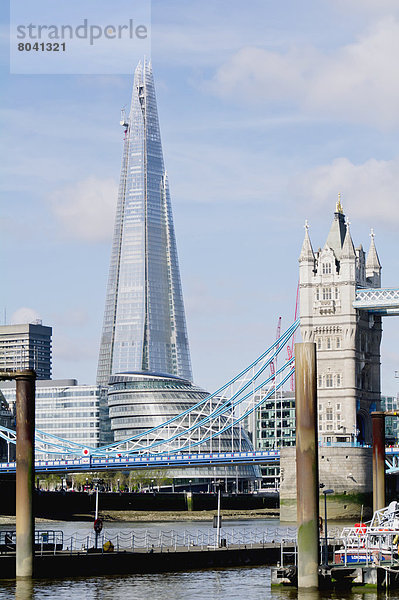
(144, 366)
(144, 326)
(391, 404)
(139, 402)
(65, 409)
(26, 346)
(272, 427)
(7, 419)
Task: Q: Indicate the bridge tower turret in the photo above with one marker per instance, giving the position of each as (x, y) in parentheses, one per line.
(373, 265)
(347, 340)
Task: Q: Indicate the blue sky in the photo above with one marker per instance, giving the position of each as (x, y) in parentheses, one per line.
(268, 109)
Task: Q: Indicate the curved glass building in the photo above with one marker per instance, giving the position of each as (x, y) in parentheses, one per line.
(140, 401)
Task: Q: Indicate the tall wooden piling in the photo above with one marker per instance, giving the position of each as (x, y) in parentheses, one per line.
(25, 405)
(378, 422)
(307, 472)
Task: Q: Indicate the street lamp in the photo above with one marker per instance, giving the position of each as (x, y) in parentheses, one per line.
(325, 492)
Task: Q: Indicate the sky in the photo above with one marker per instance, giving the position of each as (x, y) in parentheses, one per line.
(268, 110)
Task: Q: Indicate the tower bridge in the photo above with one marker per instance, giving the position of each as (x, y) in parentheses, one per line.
(379, 301)
(337, 311)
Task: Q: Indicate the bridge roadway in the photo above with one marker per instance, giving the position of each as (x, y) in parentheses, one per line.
(149, 461)
(378, 301)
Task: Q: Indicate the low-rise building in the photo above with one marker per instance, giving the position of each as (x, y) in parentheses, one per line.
(391, 403)
(64, 409)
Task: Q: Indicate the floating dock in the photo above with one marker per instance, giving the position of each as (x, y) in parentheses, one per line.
(155, 560)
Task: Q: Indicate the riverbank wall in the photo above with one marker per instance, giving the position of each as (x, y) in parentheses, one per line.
(346, 470)
(64, 505)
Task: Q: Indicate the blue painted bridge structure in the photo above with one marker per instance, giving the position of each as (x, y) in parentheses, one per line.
(192, 438)
(149, 461)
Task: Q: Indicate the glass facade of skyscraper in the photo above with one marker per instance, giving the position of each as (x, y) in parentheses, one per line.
(144, 322)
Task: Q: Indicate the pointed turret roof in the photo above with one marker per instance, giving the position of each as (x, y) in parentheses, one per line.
(348, 249)
(336, 237)
(307, 254)
(372, 262)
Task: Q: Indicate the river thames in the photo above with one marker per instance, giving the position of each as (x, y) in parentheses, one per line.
(249, 583)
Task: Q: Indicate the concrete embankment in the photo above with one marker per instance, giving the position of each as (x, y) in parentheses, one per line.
(65, 505)
(65, 564)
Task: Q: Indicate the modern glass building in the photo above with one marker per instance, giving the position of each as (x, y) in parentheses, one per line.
(65, 409)
(7, 419)
(144, 325)
(271, 427)
(141, 401)
(391, 403)
(144, 367)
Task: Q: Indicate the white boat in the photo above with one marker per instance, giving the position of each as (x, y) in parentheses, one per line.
(373, 542)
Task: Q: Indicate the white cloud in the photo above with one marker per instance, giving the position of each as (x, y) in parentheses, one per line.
(24, 315)
(72, 317)
(370, 189)
(86, 209)
(358, 81)
(73, 350)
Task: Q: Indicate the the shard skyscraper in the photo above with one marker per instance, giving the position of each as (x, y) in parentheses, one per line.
(144, 325)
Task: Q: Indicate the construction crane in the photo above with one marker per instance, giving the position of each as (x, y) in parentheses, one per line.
(278, 333)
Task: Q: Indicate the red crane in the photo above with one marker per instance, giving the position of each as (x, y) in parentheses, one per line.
(278, 333)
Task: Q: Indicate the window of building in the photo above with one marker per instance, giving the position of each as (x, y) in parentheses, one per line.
(329, 380)
(317, 294)
(328, 343)
(320, 381)
(338, 342)
(319, 343)
(327, 268)
(338, 379)
(336, 293)
(326, 293)
(338, 406)
(329, 414)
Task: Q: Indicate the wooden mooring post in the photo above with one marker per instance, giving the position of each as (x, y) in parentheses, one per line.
(25, 468)
(307, 470)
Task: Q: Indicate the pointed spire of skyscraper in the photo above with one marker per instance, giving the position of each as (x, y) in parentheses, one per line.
(144, 322)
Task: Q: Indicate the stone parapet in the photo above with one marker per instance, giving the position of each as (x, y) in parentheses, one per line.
(346, 470)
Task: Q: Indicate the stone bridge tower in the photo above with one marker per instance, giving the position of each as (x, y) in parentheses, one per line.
(347, 339)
